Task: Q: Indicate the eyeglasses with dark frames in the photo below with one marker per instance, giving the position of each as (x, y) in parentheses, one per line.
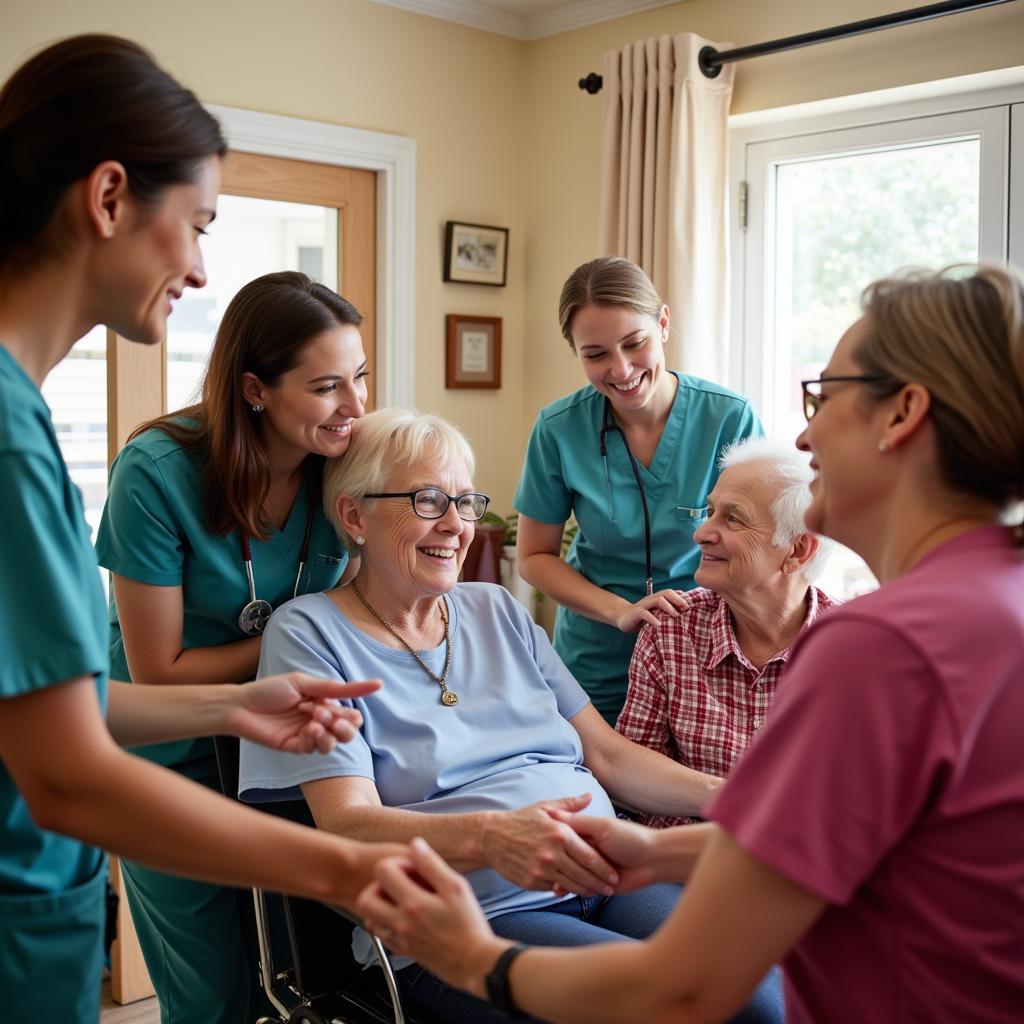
(813, 399)
(432, 502)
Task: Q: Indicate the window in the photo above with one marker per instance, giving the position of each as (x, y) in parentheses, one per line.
(829, 211)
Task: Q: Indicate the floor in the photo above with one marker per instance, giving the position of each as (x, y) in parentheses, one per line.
(145, 1011)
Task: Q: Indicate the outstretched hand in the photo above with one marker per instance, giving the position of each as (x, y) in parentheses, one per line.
(297, 713)
(635, 616)
(419, 907)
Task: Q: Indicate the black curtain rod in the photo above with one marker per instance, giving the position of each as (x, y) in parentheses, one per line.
(711, 60)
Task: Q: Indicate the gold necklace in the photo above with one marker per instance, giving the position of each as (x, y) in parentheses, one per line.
(448, 697)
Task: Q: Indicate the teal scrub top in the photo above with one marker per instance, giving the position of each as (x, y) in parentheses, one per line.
(53, 628)
(565, 474)
(153, 530)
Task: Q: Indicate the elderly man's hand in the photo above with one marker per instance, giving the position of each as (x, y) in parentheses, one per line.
(634, 616)
(531, 848)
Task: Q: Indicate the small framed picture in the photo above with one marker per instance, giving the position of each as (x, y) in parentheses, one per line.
(473, 351)
(475, 253)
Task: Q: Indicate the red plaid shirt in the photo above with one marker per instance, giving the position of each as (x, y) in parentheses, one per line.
(693, 695)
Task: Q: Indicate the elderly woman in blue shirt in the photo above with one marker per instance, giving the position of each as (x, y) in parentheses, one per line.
(479, 730)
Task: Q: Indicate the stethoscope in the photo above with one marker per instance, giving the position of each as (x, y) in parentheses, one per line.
(252, 619)
(609, 424)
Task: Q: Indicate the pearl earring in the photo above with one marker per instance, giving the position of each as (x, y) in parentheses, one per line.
(257, 408)
(883, 446)
(360, 541)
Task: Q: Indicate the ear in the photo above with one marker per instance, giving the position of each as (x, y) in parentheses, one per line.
(663, 320)
(253, 390)
(107, 196)
(350, 516)
(804, 548)
(906, 414)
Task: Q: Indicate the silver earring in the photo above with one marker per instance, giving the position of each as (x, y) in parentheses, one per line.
(883, 446)
(257, 408)
(360, 541)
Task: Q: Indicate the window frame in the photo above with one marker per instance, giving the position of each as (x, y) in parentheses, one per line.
(760, 143)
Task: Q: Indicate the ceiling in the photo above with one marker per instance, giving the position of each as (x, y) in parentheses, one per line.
(526, 19)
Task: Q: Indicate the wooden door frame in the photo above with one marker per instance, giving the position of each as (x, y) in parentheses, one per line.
(393, 157)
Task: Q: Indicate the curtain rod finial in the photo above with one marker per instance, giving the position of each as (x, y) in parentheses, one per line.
(707, 62)
(592, 83)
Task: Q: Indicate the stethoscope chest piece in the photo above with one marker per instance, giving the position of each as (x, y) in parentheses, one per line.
(252, 619)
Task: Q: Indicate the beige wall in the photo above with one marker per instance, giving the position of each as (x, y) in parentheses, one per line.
(503, 135)
(564, 123)
(457, 91)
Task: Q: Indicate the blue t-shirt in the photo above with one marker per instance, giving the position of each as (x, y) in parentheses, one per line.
(507, 743)
(564, 474)
(53, 626)
(154, 531)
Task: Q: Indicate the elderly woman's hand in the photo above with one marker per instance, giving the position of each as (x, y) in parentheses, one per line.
(531, 848)
(420, 907)
(632, 617)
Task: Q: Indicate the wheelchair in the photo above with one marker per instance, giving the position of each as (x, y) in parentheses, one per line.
(318, 981)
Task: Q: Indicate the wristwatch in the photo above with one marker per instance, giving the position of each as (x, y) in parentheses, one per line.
(497, 982)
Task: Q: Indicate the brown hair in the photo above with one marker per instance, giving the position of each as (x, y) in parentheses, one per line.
(960, 333)
(606, 281)
(264, 331)
(77, 103)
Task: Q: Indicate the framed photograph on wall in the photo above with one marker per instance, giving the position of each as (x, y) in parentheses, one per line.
(475, 253)
(473, 351)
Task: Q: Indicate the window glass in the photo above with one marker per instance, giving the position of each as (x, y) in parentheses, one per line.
(250, 237)
(841, 222)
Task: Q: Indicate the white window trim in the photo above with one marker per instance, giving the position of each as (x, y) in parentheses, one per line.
(972, 92)
(393, 157)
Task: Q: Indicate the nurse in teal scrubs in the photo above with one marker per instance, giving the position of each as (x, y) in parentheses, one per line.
(632, 455)
(210, 509)
(109, 171)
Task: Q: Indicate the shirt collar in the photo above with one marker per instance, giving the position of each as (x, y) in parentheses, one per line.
(723, 636)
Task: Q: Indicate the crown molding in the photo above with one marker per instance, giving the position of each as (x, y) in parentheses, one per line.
(475, 14)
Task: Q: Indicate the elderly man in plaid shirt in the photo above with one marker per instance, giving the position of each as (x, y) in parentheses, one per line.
(701, 681)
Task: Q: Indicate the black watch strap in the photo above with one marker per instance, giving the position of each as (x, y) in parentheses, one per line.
(497, 982)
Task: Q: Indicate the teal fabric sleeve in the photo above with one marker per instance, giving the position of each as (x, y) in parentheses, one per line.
(44, 583)
(146, 543)
(542, 493)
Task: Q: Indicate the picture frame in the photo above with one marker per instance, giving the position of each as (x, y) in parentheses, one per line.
(475, 254)
(473, 351)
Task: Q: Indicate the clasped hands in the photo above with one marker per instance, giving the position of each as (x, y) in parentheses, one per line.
(422, 908)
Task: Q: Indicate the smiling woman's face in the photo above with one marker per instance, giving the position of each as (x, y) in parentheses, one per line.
(409, 557)
(622, 352)
(148, 265)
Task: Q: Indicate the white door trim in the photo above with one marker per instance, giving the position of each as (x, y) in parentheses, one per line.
(393, 157)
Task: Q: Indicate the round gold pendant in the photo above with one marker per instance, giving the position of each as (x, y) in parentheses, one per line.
(449, 699)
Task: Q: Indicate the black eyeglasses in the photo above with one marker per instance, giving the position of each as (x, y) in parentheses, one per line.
(432, 502)
(814, 399)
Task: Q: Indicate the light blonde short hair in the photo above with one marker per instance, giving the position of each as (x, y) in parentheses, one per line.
(383, 440)
(960, 333)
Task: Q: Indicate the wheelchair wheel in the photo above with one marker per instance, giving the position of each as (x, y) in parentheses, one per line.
(307, 1015)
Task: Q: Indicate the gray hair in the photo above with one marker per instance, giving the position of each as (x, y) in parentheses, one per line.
(790, 470)
(381, 441)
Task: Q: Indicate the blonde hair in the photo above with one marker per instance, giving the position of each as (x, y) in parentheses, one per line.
(382, 441)
(960, 333)
(607, 281)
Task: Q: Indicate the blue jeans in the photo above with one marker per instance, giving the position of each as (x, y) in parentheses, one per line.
(580, 921)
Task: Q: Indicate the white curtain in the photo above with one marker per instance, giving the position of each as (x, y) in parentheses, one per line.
(664, 188)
